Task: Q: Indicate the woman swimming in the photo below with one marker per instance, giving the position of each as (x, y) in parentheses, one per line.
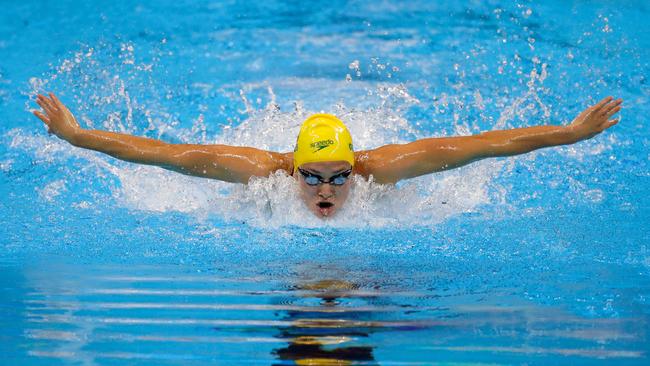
(324, 157)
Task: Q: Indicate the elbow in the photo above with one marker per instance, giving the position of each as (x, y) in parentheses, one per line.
(485, 146)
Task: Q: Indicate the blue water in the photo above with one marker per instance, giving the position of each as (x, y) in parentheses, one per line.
(537, 259)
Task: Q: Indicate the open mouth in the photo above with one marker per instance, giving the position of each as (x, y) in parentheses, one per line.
(325, 208)
(325, 204)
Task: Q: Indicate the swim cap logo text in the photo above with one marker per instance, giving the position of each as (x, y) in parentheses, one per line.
(320, 145)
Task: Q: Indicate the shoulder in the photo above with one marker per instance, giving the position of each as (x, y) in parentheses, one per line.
(283, 161)
(374, 163)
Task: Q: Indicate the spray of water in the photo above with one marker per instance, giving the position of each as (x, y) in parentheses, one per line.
(271, 201)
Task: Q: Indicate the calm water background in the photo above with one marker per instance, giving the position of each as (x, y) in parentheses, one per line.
(543, 258)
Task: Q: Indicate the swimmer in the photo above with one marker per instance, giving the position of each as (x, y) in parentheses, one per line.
(324, 158)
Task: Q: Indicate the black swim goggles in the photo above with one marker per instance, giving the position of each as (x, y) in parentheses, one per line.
(314, 180)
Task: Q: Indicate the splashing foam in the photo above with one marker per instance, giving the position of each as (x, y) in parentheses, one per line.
(272, 201)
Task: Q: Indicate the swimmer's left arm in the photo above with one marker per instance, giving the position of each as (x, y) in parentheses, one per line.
(392, 163)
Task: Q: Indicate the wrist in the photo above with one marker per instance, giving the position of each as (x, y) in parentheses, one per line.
(76, 137)
(571, 134)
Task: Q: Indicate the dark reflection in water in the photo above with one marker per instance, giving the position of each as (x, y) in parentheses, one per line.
(324, 316)
(327, 336)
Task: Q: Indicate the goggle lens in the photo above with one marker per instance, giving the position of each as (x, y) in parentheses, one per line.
(337, 180)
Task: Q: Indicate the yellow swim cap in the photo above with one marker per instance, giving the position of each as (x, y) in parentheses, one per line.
(323, 137)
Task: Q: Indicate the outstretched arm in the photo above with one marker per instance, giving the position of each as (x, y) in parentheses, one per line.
(391, 163)
(228, 163)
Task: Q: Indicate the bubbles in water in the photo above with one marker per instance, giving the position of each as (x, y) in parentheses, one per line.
(354, 66)
(606, 27)
(5, 165)
(52, 190)
(595, 195)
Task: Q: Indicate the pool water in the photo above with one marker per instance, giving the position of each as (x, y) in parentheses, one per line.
(537, 259)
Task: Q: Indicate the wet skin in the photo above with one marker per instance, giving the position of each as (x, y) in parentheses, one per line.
(324, 199)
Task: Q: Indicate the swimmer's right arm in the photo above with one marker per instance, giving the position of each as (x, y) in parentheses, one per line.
(227, 163)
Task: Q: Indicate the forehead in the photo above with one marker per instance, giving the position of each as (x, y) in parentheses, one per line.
(326, 166)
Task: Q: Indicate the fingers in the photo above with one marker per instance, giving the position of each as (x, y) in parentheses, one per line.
(57, 102)
(602, 103)
(45, 119)
(605, 109)
(50, 109)
(608, 124)
(46, 104)
(42, 117)
(613, 111)
(41, 103)
(595, 108)
(611, 106)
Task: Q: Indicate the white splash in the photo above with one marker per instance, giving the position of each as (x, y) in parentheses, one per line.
(6, 165)
(272, 201)
(51, 190)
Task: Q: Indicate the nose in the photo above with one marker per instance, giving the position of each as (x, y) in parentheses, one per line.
(325, 190)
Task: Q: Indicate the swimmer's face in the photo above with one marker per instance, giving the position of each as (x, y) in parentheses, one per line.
(324, 199)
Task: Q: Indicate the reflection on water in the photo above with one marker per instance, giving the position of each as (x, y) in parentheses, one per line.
(325, 338)
(312, 315)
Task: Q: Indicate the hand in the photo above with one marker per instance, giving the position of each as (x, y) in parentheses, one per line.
(595, 119)
(57, 117)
